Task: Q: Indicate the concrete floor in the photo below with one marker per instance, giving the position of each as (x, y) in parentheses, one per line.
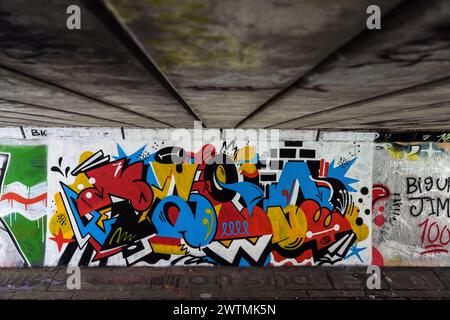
(225, 283)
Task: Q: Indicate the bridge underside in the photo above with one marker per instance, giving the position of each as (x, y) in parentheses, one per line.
(240, 64)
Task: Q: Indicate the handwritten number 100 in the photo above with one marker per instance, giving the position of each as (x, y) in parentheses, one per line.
(434, 232)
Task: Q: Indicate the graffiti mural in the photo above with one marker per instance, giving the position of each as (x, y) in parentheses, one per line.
(161, 203)
(411, 204)
(23, 202)
(224, 202)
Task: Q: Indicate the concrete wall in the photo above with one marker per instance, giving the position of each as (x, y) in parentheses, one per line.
(104, 197)
(411, 208)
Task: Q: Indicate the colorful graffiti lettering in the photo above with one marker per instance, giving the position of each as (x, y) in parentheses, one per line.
(224, 203)
(173, 206)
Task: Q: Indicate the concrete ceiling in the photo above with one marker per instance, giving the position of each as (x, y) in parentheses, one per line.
(241, 63)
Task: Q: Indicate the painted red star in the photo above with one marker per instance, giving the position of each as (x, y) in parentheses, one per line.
(60, 240)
